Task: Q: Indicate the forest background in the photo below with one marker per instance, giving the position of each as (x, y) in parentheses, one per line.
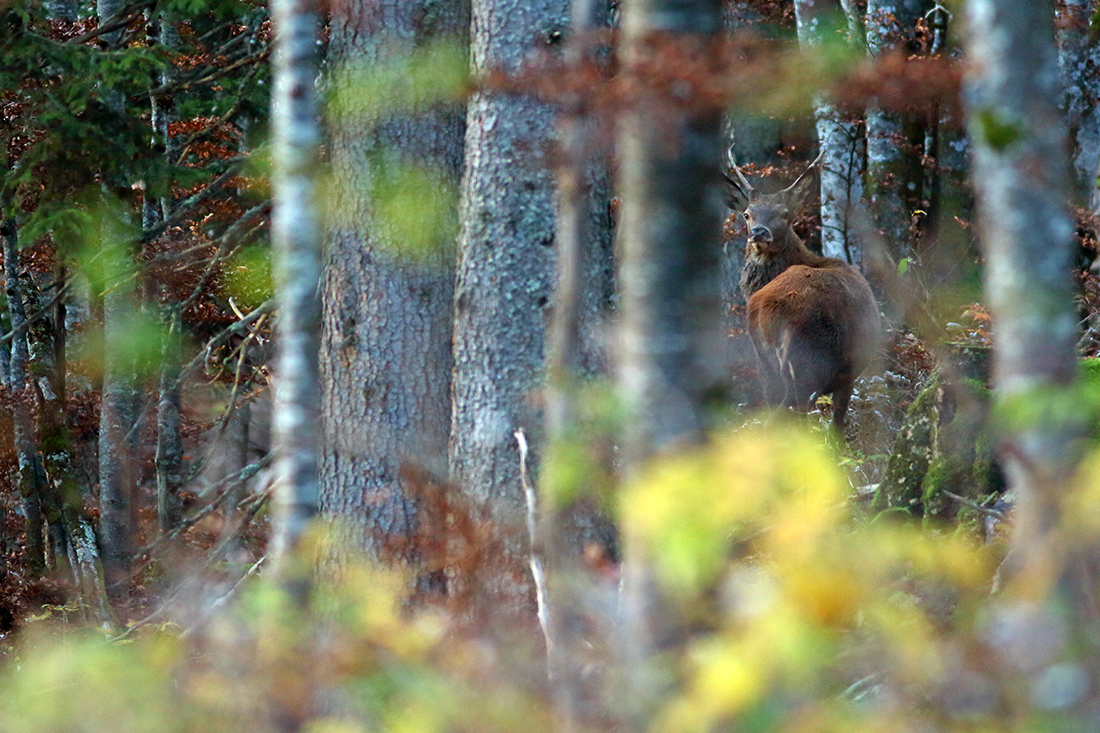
(382, 365)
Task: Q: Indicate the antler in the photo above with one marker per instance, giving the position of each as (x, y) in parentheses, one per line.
(741, 182)
(797, 189)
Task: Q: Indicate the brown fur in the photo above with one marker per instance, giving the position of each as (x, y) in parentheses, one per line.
(814, 321)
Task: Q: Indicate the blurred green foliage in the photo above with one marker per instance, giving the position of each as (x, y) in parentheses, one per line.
(399, 80)
(247, 277)
(413, 206)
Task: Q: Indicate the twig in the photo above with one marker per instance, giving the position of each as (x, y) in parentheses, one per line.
(192, 366)
(120, 19)
(187, 205)
(223, 252)
(224, 598)
(37, 315)
(176, 87)
(536, 562)
(225, 485)
(998, 515)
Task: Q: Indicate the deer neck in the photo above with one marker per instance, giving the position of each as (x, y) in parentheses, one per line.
(761, 267)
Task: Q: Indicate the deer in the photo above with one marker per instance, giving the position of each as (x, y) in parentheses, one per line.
(814, 322)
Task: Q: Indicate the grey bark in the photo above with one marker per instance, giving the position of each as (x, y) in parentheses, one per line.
(169, 456)
(1012, 93)
(70, 529)
(32, 482)
(163, 113)
(947, 239)
(117, 408)
(893, 146)
(504, 284)
(296, 243)
(818, 22)
(44, 376)
(575, 353)
(117, 470)
(669, 335)
(169, 452)
(386, 341)
(61, 9)
(1079, 61)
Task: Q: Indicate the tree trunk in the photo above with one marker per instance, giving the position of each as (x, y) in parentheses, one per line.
(1079, 61)
(893, 141)
(169, 451)
(169, 457)
(575, 354)
(117, 469)
(503, 287)
(32, 484)
(669, 335)
(117, 408)
(1012, 91)
(296, 244)
(820, 21)
(388, 290)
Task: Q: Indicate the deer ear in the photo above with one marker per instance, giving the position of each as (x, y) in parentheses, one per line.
(799, 191)
(737, 198)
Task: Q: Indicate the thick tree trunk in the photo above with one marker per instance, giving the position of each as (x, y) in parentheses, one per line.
(388, 293)
(669, 334)
(1021, 173)
(504, 284)
(296, 242)
(840, 140)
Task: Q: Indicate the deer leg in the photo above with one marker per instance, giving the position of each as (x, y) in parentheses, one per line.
(842, 395)
(769, 371)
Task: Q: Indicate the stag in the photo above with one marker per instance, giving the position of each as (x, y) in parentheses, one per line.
(813, 320)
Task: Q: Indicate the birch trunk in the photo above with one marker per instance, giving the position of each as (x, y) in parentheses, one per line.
(893, 142)
(296, 244)
(840, 141)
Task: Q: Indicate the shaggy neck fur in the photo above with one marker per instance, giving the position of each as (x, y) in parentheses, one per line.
(763, 267)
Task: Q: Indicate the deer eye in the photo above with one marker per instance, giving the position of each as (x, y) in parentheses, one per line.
(786, 215)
